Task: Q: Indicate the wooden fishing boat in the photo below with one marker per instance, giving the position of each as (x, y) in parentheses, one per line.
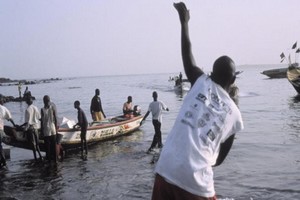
(183, 86)
(275, 73)
(69, 138)
(293, 75)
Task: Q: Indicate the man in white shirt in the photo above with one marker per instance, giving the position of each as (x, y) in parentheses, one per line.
(156, 107)
(32, 125)
(204, 130)
(4, 115)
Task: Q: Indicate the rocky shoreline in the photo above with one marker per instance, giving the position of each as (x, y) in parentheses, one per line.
(9, 82)
(7, 99)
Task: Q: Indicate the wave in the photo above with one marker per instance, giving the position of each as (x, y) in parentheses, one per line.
(248, 94)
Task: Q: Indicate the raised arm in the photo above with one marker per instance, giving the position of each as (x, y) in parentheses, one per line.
(191, 70)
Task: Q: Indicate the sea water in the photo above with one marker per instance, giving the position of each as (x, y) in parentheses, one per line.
(264, 162)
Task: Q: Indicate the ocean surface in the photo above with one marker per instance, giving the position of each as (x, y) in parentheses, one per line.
(264, 162)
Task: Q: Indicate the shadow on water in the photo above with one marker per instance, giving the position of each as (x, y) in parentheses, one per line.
(31, 180)
(294, 104)
(296, 99)
(293, 119)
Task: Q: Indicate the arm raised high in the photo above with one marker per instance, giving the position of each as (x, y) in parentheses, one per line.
(191, 70)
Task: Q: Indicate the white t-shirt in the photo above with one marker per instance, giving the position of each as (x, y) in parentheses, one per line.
(156, 108)
(48, 121)
(206, 119)
(32, 116)
(4, 114)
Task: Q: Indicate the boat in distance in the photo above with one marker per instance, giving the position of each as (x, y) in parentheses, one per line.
(182, 86)
(275, 73)
(69, 138)
(293, 76)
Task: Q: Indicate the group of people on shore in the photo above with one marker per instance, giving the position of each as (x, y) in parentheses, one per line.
(37, 122)
(44, 124)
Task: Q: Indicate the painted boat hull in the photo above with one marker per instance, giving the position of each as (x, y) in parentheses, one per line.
(293, 75)
(70, 138)
(275, 73)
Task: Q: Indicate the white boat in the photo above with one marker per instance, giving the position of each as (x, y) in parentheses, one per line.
(182, 86)
(70, 137)
(275, 73)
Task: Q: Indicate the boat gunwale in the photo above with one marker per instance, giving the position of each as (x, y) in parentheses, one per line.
(101, 126)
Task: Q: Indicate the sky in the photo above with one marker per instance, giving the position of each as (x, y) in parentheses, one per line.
(71, 38)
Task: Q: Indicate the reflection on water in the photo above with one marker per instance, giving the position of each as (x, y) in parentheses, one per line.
(296, 99)
(293, 119)
(115, 169)
(263, 164)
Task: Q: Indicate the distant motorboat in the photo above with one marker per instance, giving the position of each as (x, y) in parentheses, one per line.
(293, 75)
(183, 85)
(275, 73)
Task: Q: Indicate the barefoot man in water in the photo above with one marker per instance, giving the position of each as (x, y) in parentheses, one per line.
(204, 130)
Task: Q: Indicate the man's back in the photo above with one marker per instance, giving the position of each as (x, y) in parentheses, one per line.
(95, 104)
(32, 116)
(207, 118)
(82, 119)
(156, 108)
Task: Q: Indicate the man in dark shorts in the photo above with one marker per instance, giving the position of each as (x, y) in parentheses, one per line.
(83, 124)
(156, 107)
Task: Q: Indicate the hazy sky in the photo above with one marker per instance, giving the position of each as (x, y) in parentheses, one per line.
(67, 38)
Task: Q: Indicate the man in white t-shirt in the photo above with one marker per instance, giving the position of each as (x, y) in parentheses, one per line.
(204, 130)
(4, 115)
(156, 107)
(32, 126)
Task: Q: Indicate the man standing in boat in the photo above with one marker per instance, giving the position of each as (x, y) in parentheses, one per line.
(83, 124)
(4, 114)
(96, 107)
(156, 107)
(204, 129)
